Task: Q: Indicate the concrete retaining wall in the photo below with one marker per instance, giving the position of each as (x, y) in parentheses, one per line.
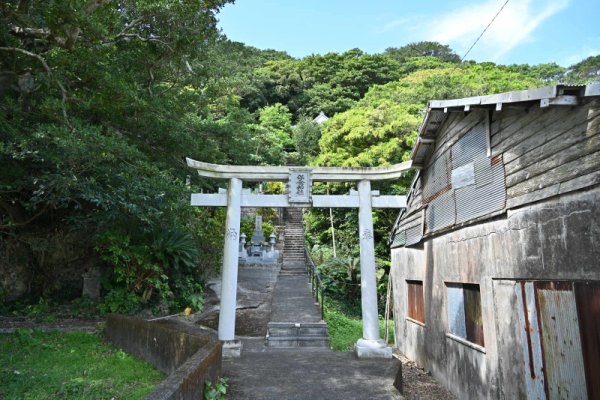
(187, 355)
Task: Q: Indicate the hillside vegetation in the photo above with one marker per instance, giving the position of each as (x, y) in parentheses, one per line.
(100, 102)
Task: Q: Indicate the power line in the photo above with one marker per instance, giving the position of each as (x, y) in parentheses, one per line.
(486, 28)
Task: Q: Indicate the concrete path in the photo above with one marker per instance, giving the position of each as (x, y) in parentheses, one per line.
(282, 297)
(303, 373)
(293, 301)
(312, 375)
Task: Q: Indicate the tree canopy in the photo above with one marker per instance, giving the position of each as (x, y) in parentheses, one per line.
(101, 101)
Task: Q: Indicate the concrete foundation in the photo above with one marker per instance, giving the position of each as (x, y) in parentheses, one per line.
(372, 349)
(232, 348)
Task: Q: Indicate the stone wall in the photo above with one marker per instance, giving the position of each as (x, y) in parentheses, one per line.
(556, 239)
(187, 355)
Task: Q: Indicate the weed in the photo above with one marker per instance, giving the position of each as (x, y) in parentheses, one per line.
(216, 391)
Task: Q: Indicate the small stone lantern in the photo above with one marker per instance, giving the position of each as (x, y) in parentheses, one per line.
(272, 241)
(242, 249)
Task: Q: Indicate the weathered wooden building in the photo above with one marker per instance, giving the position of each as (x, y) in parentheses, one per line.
(496, 260)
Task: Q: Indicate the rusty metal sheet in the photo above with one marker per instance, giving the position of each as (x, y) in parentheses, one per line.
(414, 234)
(486, 195)
(469, 146)
(473, 317)
(399, 239)
(441, 213)
(587, 295)
(436, 179)
(415, 303)
(561, 342)
(534, 378)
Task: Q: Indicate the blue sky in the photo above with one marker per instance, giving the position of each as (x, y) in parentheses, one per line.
(526, 31)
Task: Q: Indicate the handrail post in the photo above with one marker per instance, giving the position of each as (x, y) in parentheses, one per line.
(315, 280)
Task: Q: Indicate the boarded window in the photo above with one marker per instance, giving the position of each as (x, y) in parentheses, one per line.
(473, 319)
(416, 306)
(464, 312)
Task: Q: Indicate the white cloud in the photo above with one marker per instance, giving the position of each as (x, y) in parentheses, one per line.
(514, 25)
(580, 56)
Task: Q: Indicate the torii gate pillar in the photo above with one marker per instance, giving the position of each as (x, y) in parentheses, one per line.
(231, 347)
(370, 346)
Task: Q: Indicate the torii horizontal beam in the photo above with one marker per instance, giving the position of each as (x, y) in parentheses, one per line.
(281, 200)
(282, 173)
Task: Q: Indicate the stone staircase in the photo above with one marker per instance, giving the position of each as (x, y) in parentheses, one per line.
(293, 248)
(295, 321)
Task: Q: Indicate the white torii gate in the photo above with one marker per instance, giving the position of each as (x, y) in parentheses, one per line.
(300, 181)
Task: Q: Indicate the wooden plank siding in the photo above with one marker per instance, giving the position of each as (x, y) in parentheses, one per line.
(576, 136)
(504, 135)
(548, 153)
(540, 131)
(564, 152)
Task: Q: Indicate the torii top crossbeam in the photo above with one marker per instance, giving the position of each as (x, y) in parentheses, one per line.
(282, 173)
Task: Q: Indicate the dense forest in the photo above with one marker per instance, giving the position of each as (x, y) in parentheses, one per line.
(101, 101)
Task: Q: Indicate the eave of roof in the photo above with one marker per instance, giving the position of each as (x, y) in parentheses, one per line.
(437, 110)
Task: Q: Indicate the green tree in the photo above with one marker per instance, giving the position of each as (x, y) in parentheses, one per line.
(99, 103)
(423, 49)
(585, 71)
(306, 135)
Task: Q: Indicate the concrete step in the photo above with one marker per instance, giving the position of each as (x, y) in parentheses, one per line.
(298, 341)
(293, 271)
(293, 264)
(286, 329)
(297, 335)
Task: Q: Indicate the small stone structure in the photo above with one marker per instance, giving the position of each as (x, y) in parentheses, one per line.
(258, 251)
(91, 283)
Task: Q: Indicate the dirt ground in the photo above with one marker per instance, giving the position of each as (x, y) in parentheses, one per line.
(419, 384)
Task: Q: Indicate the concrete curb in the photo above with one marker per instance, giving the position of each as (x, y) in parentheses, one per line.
(188, 355)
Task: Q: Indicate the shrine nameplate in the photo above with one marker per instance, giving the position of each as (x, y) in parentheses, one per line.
(299, 186)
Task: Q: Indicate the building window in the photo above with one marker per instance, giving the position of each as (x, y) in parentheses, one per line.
(416, 306)
(464, 312)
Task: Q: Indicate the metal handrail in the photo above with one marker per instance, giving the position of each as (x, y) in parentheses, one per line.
(315, 279)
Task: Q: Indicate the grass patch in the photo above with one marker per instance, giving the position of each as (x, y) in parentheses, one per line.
(40, 365)
(345, 330)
